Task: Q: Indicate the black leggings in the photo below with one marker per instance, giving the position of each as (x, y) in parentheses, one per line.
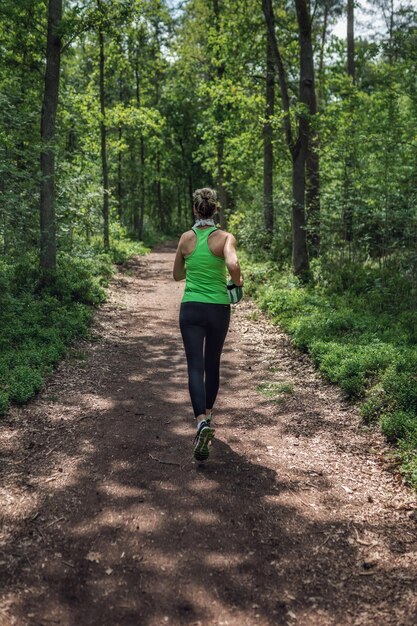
(199, 321)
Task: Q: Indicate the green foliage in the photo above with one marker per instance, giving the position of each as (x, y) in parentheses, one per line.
(375, 404)
(81, 279)
(37, 325)
(252, 234)
(122, 247)
(366, 348)
(24, 382)
(121, 251)
(35, 330)
(399, 425)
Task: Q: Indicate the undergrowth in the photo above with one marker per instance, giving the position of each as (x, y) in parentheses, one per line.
(359, 324)
(38, 324)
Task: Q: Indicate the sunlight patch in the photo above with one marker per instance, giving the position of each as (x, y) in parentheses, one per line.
(203, 485)
(224, 560)
(119, 490)
(204, 517)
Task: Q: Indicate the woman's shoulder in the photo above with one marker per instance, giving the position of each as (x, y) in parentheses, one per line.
(229, 236)
(187, 234)
(187, 242)
(222, 233)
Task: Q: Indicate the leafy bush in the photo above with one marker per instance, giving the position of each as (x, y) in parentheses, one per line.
(376, 403)
(360, 330)
(81, 279)
(399, 425)
(122, 250)
(24, 382)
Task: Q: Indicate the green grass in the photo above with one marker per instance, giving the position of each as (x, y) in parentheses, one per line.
(275, 390)
(38, 325)
(359, 325)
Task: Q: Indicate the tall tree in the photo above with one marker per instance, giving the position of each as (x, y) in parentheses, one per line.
(48, 124)
(307, 133)
(298, 147)
(350, 153)
(103, 129)
(268, 145)
(350, 40)
(219, 68)
(307, 130)
(139, 203)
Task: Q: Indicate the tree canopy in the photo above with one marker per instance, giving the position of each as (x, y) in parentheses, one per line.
(172, 97)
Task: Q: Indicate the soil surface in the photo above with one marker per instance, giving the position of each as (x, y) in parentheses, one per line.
(105, 519)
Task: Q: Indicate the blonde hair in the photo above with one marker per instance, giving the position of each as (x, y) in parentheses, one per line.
(205, 202)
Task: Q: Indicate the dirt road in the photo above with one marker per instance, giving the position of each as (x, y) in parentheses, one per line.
(106, 519)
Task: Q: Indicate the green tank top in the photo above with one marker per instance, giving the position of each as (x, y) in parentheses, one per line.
(205, 278)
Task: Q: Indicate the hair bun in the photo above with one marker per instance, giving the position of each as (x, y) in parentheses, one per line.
(205, 202)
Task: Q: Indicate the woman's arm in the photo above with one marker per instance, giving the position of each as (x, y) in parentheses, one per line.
(232, 263)
(179, 264)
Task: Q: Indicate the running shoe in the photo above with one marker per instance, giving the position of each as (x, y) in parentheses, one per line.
(202, 439)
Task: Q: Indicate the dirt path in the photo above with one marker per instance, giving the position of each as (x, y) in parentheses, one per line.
(106, 520)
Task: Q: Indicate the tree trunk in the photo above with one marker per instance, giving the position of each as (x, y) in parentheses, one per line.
(142, 188)
(179, 207)
(276, 55)
(320, 94)
(350, 41)
(308, 137)
(139, 210)
(299, 148)
(221, 189)
(313, 172)
(48, 124)
(189, 215)
(313, 195)
(268, 147)
(103, 135)
(3, 213)
(159, 203)
(299, 240)
(119, 177)
(347, 216)
(222, 195)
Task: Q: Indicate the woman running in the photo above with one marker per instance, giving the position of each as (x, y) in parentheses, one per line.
(203, 254)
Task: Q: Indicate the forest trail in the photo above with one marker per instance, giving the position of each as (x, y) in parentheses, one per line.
(106, 519)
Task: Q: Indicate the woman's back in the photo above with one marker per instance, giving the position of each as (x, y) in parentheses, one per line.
(205, 266)
(216, 240)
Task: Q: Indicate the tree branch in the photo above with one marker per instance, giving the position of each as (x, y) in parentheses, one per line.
(270, 24)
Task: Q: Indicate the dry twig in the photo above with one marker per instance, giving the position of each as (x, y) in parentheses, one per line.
(164, 462)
